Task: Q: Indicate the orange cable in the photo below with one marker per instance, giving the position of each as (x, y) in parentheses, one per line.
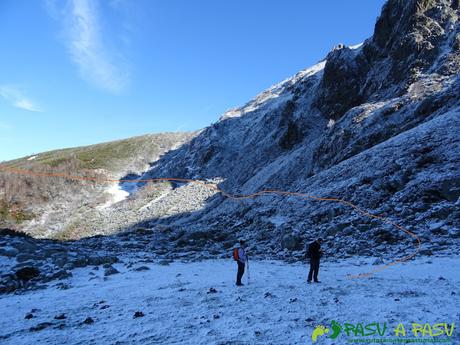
(240, 197)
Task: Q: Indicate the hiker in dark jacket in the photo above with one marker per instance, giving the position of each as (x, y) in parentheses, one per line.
(242, 258)
(315, 253)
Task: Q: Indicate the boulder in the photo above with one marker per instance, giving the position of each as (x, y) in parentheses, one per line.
(60, 317)
(25, 246)
(378, 261)
(165, 262)
(138, 314)
(291, 242)
(27, 256)
(9, 252)
(60, 275)
(385, 235)
(9, 284)
(141, 268)
(101, 260)
(110, 271)
(454, 232)
(88, 321)
(450, 189)
(60, 260)
(40, 326)
(27, 273)
(12, 233)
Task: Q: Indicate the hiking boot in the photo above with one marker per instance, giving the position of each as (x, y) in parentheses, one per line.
(317, 281)
(240, 284)
(309, 281)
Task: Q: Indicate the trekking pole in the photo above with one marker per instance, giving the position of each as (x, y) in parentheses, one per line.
(247, 266)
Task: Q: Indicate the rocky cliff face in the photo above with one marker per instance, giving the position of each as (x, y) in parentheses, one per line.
(375, 125)
(411, 38)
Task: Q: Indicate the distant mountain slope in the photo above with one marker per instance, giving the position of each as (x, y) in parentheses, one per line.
(116, 157)
(44, 206)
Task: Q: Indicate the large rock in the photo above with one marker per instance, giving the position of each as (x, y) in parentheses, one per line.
(60, 275)
(450, 189)
(93, 260)
(292, 242)
(9, 283)
(12, 233)
(28, 256)
(27, 273)
(110, 270)
(60, 259)
(9, 252)
(25, 246)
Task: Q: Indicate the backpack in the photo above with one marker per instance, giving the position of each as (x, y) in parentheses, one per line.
(236, 255)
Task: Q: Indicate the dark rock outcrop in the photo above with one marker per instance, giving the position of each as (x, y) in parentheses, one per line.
(408, 39)
(27, 273)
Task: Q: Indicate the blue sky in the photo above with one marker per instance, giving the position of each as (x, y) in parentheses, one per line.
(78, 72)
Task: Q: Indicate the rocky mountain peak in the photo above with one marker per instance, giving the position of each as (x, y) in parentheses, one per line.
(419, 21)
(410, 38)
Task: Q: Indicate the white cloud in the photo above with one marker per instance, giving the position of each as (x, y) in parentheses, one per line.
(88, 46)
(15, 96)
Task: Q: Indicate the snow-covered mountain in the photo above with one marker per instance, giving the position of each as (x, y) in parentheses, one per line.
(374, 124)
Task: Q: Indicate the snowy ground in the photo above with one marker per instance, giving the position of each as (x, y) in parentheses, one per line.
(117, 194)
(278, 307)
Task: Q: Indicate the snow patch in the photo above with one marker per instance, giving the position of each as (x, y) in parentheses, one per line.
(267, 97)
(356, 46)
(117, 194)
(31, 158)
(277, 220)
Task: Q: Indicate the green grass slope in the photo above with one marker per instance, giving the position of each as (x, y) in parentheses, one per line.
(26, 197)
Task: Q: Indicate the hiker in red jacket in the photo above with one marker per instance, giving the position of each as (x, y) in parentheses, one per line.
(239, 255)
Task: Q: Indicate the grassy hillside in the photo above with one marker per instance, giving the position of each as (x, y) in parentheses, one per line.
(25, 197)
(111, 156)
